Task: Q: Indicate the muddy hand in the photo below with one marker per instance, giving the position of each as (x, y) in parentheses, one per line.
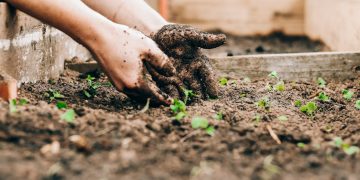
(183, 43)
(123, 54)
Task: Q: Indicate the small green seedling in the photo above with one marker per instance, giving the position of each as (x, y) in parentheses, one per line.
(202, 123)
(219, 116)
(91, 91)
(297, 103)
(53, 94)
(210, 130)
(300, 145)
(61, 105)
(309, 109)
(188, 95)
(269, 166)
(274, 74)
(282, 118)
(242, 95)
(323, 97)
(347, 148)
(223, 81)
(321, 82)
(257, 118)
(178, 106)
(199, 123)
(179, 116)
(357, 104)
(280, 86)
(68, 116)
(14, 103)
(264, 103)
(347, 94)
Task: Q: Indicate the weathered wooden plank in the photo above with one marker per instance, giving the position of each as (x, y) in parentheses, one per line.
(300, 66)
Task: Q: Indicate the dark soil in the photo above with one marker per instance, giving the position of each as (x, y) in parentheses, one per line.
(119, 142)
(275, 43)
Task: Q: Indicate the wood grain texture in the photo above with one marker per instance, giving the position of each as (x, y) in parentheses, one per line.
(302, 66)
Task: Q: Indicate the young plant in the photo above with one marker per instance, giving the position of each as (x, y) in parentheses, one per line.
(347, 148)
(223, 81)
(323, 97)
(188, 95)
(282, 118)
(300, 145)
(219, 116)
(347, 94)
(274, 75)
(68, 116)
(280, 86)
(264, 103)
(14, 103)
(202, 123)
(179, 109)
(321, 82)
(179, 116)
(53, 94)
(309, 109)
(298, 103)
(357, 104)
(61, 105)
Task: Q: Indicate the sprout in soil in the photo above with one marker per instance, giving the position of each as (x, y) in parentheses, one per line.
(280, 86)
(264, 103)
(202, 123)
(68, 116)
(223, 81)
(179, 109)
(219, 116)
(323, 97)
(347, 148)
(53, 94)
(91, 90)
(61, 105)
(274, 74)
(188, 95)
(357, 104)
(309, 109)
(14, 103)
(297, 103)
(179, 116)
(282, 118)
(321, 82)
(300, 145)
(257, 118)
(347, 94)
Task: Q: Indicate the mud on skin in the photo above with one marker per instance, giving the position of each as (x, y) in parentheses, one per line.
(183, 44)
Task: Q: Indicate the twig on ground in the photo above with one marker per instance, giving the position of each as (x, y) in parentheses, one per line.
(272, 134)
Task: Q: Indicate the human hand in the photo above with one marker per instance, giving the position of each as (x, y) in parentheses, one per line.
(123, 53)
(182, 43)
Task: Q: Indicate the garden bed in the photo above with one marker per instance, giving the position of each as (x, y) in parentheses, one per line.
(112, 138)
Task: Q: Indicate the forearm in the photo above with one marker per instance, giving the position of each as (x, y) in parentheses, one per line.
(72, 17)
(134, 13)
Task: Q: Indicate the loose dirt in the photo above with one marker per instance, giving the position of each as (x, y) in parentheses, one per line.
(111, 139)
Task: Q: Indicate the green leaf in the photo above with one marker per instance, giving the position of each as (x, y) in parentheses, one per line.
(274, 74)
(309, 108)
(300, 145)
(87, 94)
(280, 86)
(219, 116)
(23, 102)
(61, 105)
(351, 150)
(282, 118)
(357, 104)
(12, 106)
(223, 81)
(263, 103)
(178, 106)
(323, 97)
(321, 82)
(179, 116)
(199, 123)
(188, 95)
(298, 103)
(68, 116)
(337, 142)
(210, 130)
(347, 94)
